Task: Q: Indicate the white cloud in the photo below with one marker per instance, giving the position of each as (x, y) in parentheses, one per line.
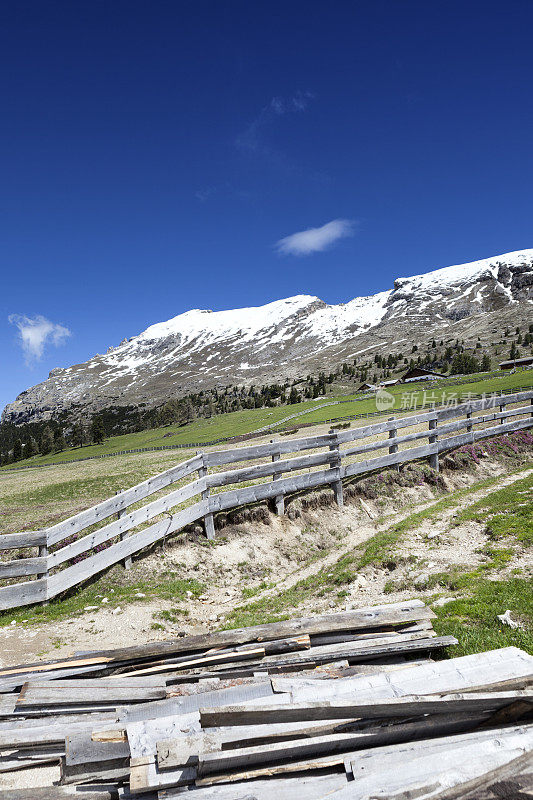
(35, 333)
(313, 240)
(251, 139)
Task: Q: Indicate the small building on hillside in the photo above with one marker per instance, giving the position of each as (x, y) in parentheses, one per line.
(367, 387)
(420, 374)
(517, 363)
(392, 382)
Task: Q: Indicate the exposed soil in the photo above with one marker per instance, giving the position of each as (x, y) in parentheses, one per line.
(270, 554)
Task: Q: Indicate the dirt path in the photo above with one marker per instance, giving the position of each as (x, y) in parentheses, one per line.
(435, 527)
(279, 554)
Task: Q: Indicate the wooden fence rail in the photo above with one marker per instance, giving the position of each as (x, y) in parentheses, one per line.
(69, 552)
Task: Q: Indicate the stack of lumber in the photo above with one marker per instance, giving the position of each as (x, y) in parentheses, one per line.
(345, 705)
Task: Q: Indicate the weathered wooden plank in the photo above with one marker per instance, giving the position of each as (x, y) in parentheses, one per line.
(409, 705)
(218, 458)
(440, 430)
(201, 661)
(369, 617)
(13, 541)
(22, 735)
(91, 566)
(388, 630)
(185, 749)
(107, 792)
(246, 757)
(270, 468)
(331, 761)
(118, 682)
(359, 619)
(23, 566)
(472, 406)
(384, 427)
(92, 772)
(23, 594)
(143, 736)
(515, 778)
(81, 749)
(354, 654)
(19, 761)
(481, 671)
(121, 501)
(304, 787)
(146, 776)
(7, 705)
(126, 522)
(262, 491)
(473, 436)
(258, 656)
(47, 694)
(190, 704)
(391, 458)
(483, 419)
(244, 652)
(437, 765)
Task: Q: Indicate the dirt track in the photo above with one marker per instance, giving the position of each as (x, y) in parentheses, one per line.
(281, 553)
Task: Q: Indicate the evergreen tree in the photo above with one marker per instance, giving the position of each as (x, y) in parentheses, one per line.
(59, 441)
(78, 435)
(31, 448)
(17, 450)
(97, 430)
(294, 397)
(464, 364)
(47, 440)
(485, 363)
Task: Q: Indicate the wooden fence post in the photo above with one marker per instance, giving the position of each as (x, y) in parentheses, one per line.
(469, 426)
(434, 457)
(337, 485)
(209, 522)
(394, 447)
(43, 553)
(279, 499)
(502, 409)
(127, 561)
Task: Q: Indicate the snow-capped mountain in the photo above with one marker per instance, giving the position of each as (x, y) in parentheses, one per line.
(288, 338)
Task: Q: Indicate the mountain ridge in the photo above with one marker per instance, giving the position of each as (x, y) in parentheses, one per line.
(284, 339)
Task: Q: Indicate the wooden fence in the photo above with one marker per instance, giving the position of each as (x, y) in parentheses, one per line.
(69, 552)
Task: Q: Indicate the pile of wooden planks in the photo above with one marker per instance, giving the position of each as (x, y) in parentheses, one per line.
(345, 705)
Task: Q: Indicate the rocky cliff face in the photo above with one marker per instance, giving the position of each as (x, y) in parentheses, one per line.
(288, 338)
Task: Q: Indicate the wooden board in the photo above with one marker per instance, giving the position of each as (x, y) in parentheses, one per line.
(122, 500)
(14, 541)
(49, 694)
(455, 675)
(362, 618)
(81, 749)
(406, 706)
(22, 566)
(126, 522)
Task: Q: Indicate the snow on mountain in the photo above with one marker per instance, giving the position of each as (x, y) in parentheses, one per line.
(283, 339)
(439, 279)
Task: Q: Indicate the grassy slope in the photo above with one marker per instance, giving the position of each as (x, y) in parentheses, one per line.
(33, 499)
(481, 594)
(197, 432)
(240, 422)
(409, 396)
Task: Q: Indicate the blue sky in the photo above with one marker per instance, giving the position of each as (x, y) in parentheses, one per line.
(156, 156)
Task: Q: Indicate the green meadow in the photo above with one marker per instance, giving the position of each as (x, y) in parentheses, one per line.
(408, 397)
